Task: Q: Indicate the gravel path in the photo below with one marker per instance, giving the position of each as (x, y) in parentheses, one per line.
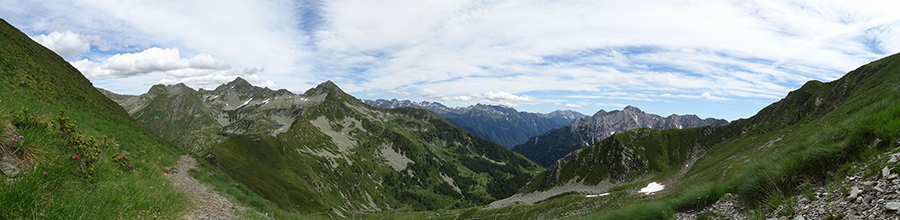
(207, 204)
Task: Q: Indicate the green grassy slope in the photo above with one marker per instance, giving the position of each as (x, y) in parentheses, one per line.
(34, 77)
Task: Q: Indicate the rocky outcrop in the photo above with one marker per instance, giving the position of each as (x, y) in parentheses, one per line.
(877, 197)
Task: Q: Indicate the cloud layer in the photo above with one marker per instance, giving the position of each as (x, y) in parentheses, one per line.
(715, 56)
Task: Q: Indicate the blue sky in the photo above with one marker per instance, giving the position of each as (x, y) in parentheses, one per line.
(723, 59)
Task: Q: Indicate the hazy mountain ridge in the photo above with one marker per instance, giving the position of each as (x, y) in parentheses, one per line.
(549, 147)
(500, 124)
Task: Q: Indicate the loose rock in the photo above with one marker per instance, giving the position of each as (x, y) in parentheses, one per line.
(853, 192)
(9, 169)
(893, 206)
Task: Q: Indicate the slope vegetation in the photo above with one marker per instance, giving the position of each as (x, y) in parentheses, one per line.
(91, 161)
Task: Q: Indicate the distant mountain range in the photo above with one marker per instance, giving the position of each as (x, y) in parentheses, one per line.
(546, 148)
(500, 124)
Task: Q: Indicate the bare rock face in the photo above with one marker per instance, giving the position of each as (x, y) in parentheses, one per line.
(603, 124)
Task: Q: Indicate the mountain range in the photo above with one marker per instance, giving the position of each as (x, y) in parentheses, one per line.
(546, 148)
(500, 124)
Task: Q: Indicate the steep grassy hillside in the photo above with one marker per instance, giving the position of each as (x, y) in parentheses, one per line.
(52, 183)
(348, 157)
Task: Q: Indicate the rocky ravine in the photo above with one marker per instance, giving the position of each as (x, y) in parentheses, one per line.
(877, 197)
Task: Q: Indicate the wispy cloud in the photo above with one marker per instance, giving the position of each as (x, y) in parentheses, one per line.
(568, 105)
(465, 51)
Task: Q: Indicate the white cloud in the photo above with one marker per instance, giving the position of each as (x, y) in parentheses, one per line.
(567, 105)
(67, 43)
(505, 96)
(502, 98)
(707, 96)
(200, 70)
(619, 105)
(704, 96)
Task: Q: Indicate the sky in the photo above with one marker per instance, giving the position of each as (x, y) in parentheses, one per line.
(722, 59)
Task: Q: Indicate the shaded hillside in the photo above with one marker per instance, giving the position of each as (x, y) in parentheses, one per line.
(549, 147)
(51, 182)
(502, 125)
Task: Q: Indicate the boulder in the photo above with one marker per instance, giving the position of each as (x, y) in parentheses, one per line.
(893, 206)
(9, 169)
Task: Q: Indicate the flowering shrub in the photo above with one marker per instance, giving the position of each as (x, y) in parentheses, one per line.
(87, 150)
(121, 161)
(17, 142)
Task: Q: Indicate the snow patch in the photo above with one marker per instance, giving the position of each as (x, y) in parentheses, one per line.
(597, 195)
(245, 103)
(652, 188)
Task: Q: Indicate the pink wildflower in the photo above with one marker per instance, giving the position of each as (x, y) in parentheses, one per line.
(45, 173)
(76, 156)
(129, 165)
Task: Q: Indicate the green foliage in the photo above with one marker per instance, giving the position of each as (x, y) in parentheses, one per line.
(121, 160)
(25, 119)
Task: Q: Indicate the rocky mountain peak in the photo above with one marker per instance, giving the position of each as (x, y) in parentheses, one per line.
(326, 87)
(632, 109)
